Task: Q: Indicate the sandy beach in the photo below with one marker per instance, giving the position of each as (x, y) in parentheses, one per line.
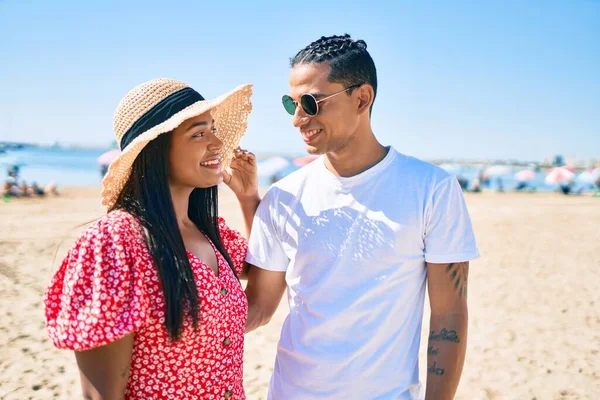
(533, 296)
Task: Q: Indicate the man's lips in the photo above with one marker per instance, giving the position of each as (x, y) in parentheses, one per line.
(310, 135)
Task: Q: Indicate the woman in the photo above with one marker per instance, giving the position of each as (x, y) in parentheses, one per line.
(149, 297)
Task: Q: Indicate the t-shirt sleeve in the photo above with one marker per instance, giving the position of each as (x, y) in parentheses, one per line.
(98, 295)
(448, 233)
(235, 244)
(265, 247)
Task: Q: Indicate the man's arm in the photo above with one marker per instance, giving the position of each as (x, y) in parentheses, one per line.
(264, 291)
(448, 328)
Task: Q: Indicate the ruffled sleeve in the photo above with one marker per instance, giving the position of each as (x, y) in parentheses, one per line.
(98, 294)
(235, 244)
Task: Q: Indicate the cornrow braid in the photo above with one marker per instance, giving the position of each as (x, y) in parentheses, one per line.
(328, 48)
(350, 62)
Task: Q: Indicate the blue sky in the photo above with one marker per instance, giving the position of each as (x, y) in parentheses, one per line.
(467, 79)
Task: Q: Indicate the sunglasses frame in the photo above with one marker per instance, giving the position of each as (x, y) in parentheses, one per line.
(286, 97)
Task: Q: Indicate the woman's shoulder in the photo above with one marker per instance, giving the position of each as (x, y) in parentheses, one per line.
(117, 224)
(98, 293)
(120, 217)
(235, 244)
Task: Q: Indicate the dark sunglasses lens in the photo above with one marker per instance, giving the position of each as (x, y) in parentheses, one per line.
(309, 104)
(288, 104)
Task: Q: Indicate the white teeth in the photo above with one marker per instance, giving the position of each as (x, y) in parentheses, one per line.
(211, 162)
(312, 133)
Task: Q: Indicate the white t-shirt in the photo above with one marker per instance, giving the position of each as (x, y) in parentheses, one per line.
(354, 252)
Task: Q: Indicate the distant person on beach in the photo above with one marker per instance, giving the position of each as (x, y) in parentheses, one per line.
(463, 183)
(25, 189)
(14, 189)
(48, 189)
(149, 297)
(521, 185)
(499, 184)
(356, 236)
(13, 171)
(11, 189)
(484, 179)
(11, 183)
(565, 187)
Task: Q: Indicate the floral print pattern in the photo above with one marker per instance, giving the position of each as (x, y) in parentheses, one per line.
(107, 287)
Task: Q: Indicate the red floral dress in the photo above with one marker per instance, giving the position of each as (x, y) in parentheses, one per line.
(108, 286)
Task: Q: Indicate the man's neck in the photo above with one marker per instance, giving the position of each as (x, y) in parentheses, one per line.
(357, 157)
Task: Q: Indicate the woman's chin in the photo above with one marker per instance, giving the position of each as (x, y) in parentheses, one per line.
(207, 183)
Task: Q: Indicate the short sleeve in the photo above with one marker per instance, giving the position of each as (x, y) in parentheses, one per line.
(235, 244)
(448, 233)
(98, 294)
(265, 248)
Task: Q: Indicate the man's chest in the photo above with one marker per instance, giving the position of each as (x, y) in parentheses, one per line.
(351, 232)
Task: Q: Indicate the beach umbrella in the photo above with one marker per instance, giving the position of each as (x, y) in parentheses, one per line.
(525, 175)
(559, 175)
(305, 160)
(497, 170)
(589, 176)
(108, 157)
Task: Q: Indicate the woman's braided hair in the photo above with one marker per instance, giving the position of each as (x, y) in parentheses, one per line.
(350, 62)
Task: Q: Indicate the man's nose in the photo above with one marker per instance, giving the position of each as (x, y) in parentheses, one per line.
(300, 117)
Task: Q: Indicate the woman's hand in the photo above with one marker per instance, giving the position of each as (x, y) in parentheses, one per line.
(243, 178)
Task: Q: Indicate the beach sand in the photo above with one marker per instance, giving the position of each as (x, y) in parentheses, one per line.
(534, 303)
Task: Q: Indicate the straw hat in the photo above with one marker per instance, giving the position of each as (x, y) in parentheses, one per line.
(161, 105)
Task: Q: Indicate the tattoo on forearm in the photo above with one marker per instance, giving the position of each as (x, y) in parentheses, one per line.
(444, 335)
(433, 351)
(433, 369)
(459, 274)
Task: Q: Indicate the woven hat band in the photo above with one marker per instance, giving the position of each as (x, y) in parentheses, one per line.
(160, 113)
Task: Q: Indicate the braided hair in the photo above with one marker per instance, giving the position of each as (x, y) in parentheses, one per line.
(350, 62)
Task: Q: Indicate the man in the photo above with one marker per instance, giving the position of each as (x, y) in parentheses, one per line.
(355, 236)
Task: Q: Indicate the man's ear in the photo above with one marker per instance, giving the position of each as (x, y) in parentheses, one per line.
(365, 95)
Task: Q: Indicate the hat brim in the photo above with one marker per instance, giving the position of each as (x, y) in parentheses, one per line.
(230, 112)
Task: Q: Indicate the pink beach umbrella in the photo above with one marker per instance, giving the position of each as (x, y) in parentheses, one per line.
(559, 175)
(108, 157)
(525, 175)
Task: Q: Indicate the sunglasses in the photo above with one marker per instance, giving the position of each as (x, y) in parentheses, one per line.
(309, 103)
